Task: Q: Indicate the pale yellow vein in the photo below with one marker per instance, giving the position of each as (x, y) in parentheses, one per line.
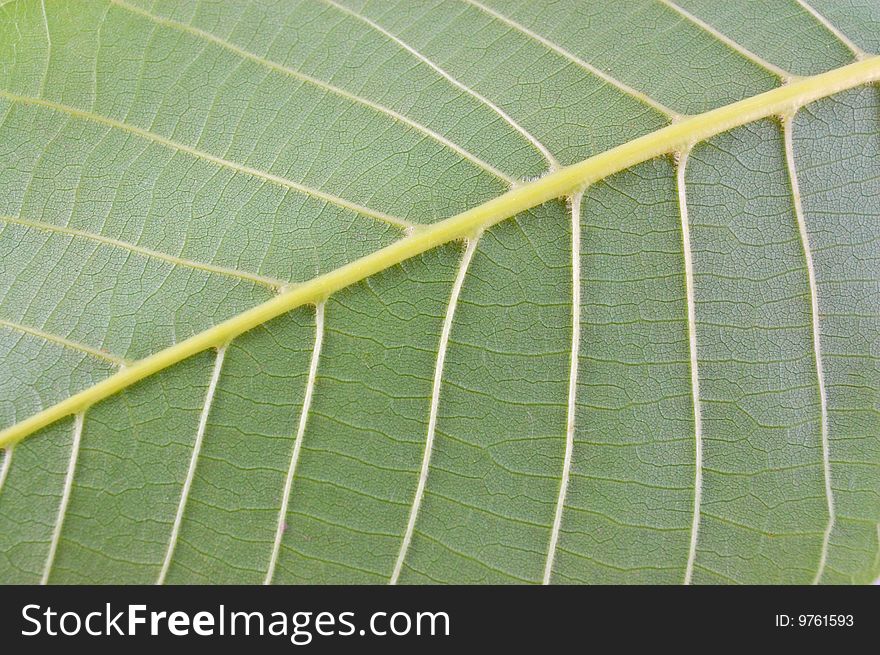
(269, 282)
(48, 47)
(65, 497)
(297, 444)
(681, 188)
(445, 332)
(65, 342)
(730, 43)
(575, 210)
(858, 53)
(191, 470)
(677, 136)
(596, 72)
(787, 128)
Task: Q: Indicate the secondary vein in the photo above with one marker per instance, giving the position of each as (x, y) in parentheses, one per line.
(297, 444)
(787, 128)
(64, 342)
(214, 159)
(730, 43)
(65, 497)
(262, 280)
(694, 364)
(572, 381)
(191, 470)
(605, 77)
(858, 53)
(448, 319)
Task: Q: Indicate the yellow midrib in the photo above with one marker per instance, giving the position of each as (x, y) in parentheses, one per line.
(680, 136)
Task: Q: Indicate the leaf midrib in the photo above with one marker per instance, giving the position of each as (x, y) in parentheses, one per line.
(678, 137)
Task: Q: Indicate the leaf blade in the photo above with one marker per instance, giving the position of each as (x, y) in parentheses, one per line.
(354, 494)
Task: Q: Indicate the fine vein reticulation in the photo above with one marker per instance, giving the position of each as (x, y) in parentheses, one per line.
(318, 83)
(569, 180)
(219, 161)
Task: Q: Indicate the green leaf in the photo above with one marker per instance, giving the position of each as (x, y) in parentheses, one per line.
(439, 291)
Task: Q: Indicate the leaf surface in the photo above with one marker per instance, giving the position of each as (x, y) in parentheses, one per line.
(654, 360)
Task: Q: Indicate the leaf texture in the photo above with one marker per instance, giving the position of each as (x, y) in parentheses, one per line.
(671, 374)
